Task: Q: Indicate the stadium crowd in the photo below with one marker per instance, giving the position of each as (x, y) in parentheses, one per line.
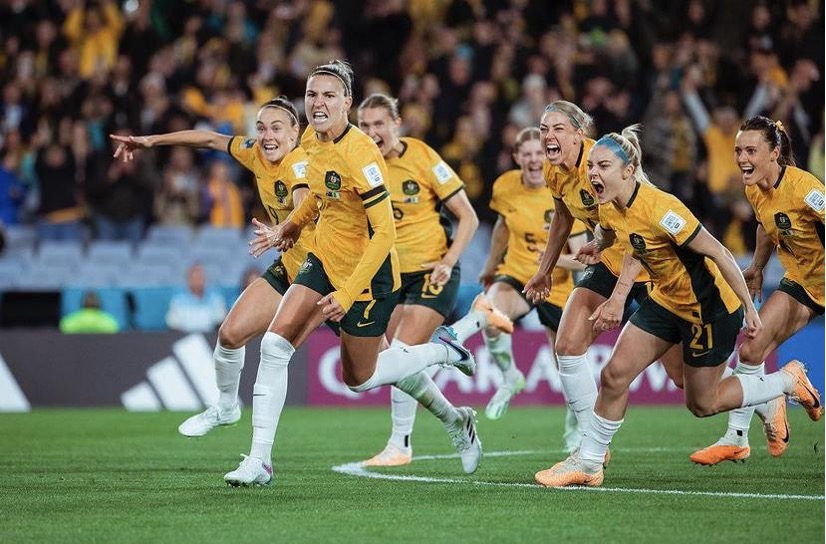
(469, 74)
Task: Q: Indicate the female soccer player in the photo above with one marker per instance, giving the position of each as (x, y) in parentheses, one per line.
(420, 183)
(280, 168)
(525, 209)
(563, 127)
(350, 276)
(698, 298)
(788, 203)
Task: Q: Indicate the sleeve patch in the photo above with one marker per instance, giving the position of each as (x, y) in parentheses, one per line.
(815, 200)
(300, 170)
(248, 143)
(442, 172)
(672, 222)
(372, 173)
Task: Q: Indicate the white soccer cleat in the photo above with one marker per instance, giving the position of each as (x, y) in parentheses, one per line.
(251, 471)
(499, 402)
(457, 355)
(464, 439)
(201, 424)
(390, 456)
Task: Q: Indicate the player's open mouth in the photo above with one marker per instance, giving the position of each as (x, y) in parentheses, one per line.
(534, 168)
(379, 142)
(319, 117)
(747, 169)
(552, 149)
(598, 186)
(269, 148)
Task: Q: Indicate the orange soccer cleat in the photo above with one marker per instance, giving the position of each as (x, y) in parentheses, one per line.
(495, 318)
(804, 392)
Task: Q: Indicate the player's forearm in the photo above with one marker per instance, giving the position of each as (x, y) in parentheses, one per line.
(306, 212)
(560, 229)
(763, 249)
(190, 138)
(631, 268)
(498, 243)
(604, 237)
(733, 276)
(567, 262)
(465, 230)
(378, 248)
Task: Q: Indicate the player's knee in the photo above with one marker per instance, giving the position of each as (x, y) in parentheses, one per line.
(358, 382)
(231, 336)
(566, 346)
(702, 407)
(750, 353)
(613, 379)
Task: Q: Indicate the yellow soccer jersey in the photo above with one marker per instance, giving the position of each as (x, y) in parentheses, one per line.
(792, 216)
(276, 183)
(574, 189)
(656, 227)
(355, 232)
(527, 213)
(419, 182)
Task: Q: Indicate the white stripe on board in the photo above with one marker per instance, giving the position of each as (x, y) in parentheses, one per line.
(195, 356)
(358, 470)
(141, 398)
(12, 398)
(172, 386)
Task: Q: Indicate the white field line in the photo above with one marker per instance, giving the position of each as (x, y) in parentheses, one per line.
(358, 470)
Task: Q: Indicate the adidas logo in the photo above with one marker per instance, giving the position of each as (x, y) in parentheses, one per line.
(12, 398)
(183, 381)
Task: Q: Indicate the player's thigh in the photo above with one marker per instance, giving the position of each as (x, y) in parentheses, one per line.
(358, 357)
(672, 361)
(298, 314)
(782, 317)
(250, 314)
(576, 332)
(508, 300)
(634, 351)
(417, 323)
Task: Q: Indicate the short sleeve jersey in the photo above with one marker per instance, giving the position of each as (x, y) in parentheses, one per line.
(419, 182)
(791, 213)
(276, 183)
(527, 212)
(573, 188)
(347, 176)
(657, 228)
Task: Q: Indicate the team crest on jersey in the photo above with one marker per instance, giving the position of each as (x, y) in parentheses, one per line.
(332, 180)
(248, 143)
(281, 192)
(637, 242)
(587, 199)
(410, 189)
(305, 267)
(784, 223)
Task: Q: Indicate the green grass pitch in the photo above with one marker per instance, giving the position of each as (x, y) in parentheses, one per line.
(111, 476)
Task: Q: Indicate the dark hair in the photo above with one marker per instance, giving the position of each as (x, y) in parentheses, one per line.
(524, 135)
(381, 100)
(775, 135)
(283, 103)
(339, 69)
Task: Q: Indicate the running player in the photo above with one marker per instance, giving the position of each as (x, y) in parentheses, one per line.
(420, 184)
(563, 128)
(698, 299)
(788, 203)
(280, 168)
(350, 276)
(526, 208)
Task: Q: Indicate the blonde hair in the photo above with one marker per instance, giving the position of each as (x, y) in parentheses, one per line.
(578, 118)
(381, 100)
(524, 135)
(628, 142)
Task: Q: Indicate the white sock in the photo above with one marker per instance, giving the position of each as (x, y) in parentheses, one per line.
(398, 362)
(228, 365)
(269, 394)
(578, 385)
(739, 420)
(598, 434)
(572, 437)
(501, 350)
(470, 324)
(403, 410)
(421, 387)
(760, 389)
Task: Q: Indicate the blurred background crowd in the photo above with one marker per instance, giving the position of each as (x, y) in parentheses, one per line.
(469, 74)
